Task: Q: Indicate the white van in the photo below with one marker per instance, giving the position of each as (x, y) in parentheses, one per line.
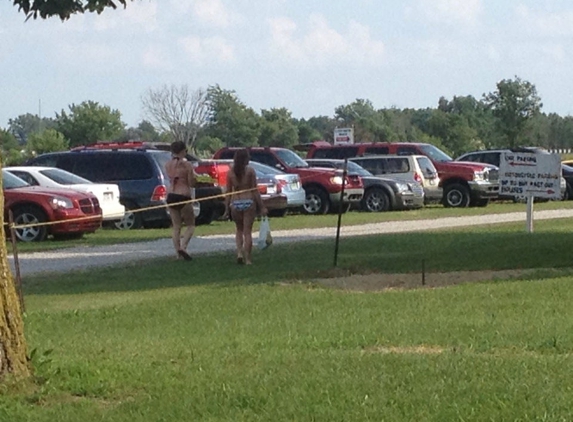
(409, 168)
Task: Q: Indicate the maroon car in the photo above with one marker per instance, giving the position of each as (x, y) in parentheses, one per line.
(75, 212)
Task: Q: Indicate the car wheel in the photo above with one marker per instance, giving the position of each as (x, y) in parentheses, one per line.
(130, 220)
(456, 196)
(26, 216)
(316, 201)
(376, 200)
(278, 213)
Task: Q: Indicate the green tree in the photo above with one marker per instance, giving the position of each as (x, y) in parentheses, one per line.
(324, 125)
(306, 133)
(231, 121)
(206, 146)
(514, 104)
(64, 9)
(369, 125)
(278, 128)
(49, 140)
(88, 123)
(26, 124)
(10, 149)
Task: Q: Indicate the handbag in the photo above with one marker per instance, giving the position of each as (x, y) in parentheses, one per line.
(265, 237)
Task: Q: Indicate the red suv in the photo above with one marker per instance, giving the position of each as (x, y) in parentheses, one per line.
(323, 186)
(463, 183)
(79, 212)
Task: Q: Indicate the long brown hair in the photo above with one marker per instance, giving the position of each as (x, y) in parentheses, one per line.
(240, 162)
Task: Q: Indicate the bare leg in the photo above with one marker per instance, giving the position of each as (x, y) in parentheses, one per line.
(189, 218)
(248, 220)
(176, 233)
(238, 219)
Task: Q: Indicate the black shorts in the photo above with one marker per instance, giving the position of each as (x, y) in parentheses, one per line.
(174, 198)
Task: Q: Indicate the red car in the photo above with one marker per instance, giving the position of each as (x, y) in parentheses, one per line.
(76, 212)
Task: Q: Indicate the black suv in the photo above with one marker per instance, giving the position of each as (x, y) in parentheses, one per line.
(140, 174)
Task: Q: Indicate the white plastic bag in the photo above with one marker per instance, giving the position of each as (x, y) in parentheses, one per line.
(265, 238)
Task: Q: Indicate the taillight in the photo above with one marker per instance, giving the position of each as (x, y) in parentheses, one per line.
(262, 189)
(159, 193)
(417, 177)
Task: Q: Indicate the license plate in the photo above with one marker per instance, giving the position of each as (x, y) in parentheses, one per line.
(294, 186)
(108, 196)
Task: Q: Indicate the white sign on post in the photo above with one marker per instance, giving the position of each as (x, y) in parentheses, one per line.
(343, 136)
(530, 175)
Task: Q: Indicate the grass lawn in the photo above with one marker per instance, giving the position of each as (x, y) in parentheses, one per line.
(295, 221)
(207, 340)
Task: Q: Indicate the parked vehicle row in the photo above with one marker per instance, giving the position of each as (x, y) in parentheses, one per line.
(129, 184)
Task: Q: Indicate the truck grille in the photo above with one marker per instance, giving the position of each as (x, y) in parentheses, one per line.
(492, 175)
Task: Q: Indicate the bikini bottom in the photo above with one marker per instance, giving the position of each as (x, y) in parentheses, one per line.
(242, 204)
(174, 198)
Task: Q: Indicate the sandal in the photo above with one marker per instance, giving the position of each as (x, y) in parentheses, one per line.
(184, 255)
(240, 260)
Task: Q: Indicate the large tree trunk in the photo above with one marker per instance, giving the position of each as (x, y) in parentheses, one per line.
(12, 342)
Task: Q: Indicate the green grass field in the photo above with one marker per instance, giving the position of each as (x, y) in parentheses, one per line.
(208, 340)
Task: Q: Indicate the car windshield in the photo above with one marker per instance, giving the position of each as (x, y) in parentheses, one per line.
(435, 153)
(63, 177)
(264, 169)
(354, 168)
(290, 158)
(9, 181)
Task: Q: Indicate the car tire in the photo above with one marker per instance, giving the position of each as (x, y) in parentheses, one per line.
(130, 220)
(376, 200)
(206, 216)
(316, 202)
(456, 196)
(30, 215)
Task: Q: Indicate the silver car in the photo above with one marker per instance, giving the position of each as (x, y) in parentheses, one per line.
(290, 184)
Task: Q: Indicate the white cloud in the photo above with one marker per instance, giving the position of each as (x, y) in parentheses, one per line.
(464, 12)
(212, 13)
(155, 57)
(88, 54)
(137, 14)
(552, 24)
(324, 45)
(205, 50)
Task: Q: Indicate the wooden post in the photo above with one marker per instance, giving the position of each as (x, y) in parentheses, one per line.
(340, 209)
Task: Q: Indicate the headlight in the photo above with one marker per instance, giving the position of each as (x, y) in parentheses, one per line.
(337, 180)
(61, 202)
(402, 187)
(480, 176)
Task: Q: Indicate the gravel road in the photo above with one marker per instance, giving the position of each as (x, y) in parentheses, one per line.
(79, 258)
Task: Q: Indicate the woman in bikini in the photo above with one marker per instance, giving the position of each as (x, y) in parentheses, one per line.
(182, 181)
(243, 201)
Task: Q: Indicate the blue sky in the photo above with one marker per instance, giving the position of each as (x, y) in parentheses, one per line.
(309, 56)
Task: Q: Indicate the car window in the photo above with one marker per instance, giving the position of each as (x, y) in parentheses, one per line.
(491, 158)
(291, 159)
(426, 166)
(407, 151)
(264, 157)
(377, 151)
(25, 176)
(435, 153)
(338, 153)
(398, 165)
(470, 157)
(264, 169)
(50, 160)
(227, 154)
(9, 181)
(376, 166)
(63, 177)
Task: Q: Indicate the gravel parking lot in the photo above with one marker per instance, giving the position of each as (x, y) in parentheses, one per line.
(80, 258)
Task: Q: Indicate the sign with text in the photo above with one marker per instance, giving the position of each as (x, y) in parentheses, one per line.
(536, 174)
(343, 136)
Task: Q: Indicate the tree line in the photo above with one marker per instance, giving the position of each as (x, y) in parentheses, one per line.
(207, 119)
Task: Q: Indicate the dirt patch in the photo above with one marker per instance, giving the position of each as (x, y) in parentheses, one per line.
(405, 350)
(382, 281)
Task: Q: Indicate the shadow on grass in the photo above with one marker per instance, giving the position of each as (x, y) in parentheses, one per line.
(495, 248)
